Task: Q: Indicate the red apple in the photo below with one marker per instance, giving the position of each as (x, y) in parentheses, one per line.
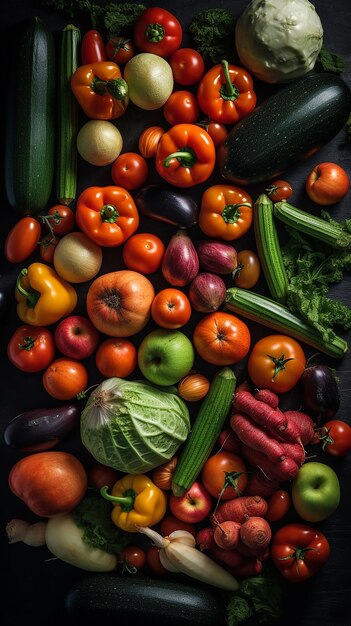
(327, 183)
(76, 337)
(193, 506)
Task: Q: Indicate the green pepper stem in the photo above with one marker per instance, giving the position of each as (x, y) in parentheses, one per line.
(186, 158)
(117, 88)
(231, 212)
(228, 91)
(155, 32)
(109, 213)
(32, 296)
(126, 501)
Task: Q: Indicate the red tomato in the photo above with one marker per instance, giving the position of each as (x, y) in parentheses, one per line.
(337, 440)
(248, 270)
(181, 107)
(143, 253)
(129, 170)
(100, 475)
(299, 551)
(221, 338)
(65, 378)
(171, 308)
(132, 558)
(276, 362)
(47, 248)
(92, 47)
(116, 357)
(22, 239)
(170, 523)
(60, 219)
(217, 131)
(327, 183)
(31, 349)
(120, 50)
(187, 66)
(153, 561)
(225, 475)
(157, 31)
(279, 190)
(278, 505)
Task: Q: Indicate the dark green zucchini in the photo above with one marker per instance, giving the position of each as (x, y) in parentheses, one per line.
(30, 140)
(294, 122)
(109, 599)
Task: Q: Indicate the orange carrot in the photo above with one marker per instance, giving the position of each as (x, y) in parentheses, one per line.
(237, 509)
(205, 539)
(226, 534)
(256, 533)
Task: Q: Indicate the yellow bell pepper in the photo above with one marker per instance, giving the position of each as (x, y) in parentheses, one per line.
(43, 297)
(138, 502)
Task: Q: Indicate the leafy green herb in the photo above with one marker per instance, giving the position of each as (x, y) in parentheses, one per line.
(260, 596)
(212, 31)
(331, 61)
(111, 19)
(93, 515)
(311, 270)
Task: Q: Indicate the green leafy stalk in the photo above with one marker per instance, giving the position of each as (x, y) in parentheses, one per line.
(331, 61)
(93, 515)
(212, 31)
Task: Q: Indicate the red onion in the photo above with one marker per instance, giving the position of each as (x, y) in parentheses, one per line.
(207, 292)
(180, 261)
(217, 256)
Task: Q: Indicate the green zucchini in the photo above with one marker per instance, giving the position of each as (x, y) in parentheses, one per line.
(30, 139)
(68, 114)
(288, 126)
(209, 421)
(268, 248)
(112, 599)
(317, 227)
(266, 311)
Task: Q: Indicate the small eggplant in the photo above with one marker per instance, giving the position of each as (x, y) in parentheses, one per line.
(217, 256)
(41, 429)
(180, 262)
(320, 392)
(165, 204)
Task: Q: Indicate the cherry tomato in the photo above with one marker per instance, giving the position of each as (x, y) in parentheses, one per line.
(143, 253)
(278, 505)
(181, 107)
(276, 362)
(120, 50)
(327, 183)
(337, 440)
(170, 523)
(116, 356)
(92, 48)
(129, 170)
(22, 239)
(60, 219)
(298, 551)
(224, 475)
(217, 131)
(65, 378)
(279, 190)
(248, 270)
(47, 248)
(171, 308)
(100, 475)
(187, 66)
(31, 349)
(133, 559)
(153, 561)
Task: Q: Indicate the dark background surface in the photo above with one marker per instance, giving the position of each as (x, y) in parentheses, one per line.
(33, 587)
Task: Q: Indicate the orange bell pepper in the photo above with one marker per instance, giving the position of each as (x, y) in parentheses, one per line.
(100, 90)
(225, 212)
(185, 155)
(226, 93)
(107, 215)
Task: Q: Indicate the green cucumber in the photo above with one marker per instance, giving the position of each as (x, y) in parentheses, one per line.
(291, 124)
(267, 312)
(30, 139)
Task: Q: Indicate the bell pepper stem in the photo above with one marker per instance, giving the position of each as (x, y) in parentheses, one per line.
(109, 213)
(186, 158)
(126, 501)
(228, 90)
(231, 212)
(32, 296)
(155, 32)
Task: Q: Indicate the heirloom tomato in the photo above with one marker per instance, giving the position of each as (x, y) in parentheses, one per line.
(221, 338)
(22, 239)
(276, 362)
(65, 378)
(120, 50)
(248, 270)
(279, 190)
(224, 475)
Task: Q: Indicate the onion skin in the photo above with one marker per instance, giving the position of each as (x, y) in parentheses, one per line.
(207, 292)
(180, 262)
(193, 387)
(320, 392)
(41, 429)
(216, 256)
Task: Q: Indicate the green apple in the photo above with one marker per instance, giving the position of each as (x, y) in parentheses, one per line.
(315, 491)
(165, 356)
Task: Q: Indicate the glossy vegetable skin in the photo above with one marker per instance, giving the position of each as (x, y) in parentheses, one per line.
(22, 239)
(157, 31)
(299, 551)
(100, 90)
(31, 348)
(226, 212)
(42, 428)
(337, 437)
(276, 362)
(92, 49)
(166, 204)
(320, 391)
(305, 115)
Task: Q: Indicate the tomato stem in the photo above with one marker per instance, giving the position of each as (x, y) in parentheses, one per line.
(279, 363)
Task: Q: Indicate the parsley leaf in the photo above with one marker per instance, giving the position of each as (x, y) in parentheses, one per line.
(331, 61)
(93, 515)
(259, 596)
(212, 31)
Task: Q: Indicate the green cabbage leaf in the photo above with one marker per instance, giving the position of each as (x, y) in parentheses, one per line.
(133, 426)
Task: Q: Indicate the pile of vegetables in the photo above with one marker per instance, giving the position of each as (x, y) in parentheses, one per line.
(192, 458)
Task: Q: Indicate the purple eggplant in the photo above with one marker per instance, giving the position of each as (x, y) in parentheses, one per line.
(41, 429)
(320, 392)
